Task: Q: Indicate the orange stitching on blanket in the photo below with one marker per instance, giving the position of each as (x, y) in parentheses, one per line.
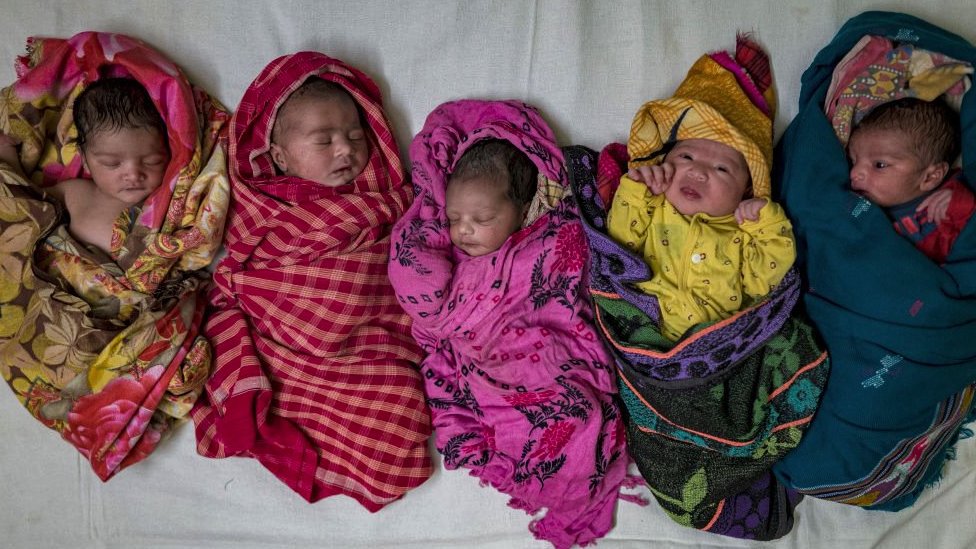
(718, 511)
(677, 348)
(705, 435)
(646, 430)
(779, 428)
(605, 294)
(814, 364)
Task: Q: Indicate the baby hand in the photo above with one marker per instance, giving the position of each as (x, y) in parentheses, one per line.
(936, 205)
(749, 210)
(657, 177)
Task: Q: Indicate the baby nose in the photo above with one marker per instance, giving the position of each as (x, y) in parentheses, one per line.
(343, 146)
(133, 171)
(697, 171)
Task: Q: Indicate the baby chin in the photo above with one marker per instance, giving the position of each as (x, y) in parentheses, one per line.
(473, 250)
(339, 177)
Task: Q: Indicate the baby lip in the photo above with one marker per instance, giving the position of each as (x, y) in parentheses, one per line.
(342, 171)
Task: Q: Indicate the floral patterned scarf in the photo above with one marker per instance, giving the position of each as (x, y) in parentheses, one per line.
(104, 348)
(519, 385)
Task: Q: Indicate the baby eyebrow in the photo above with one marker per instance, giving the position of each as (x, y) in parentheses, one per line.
(317, 131)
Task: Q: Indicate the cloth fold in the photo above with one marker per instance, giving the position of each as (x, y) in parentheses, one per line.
(519, 385)
(104, 348)
(898, 326)
(878, 70)
(315, 373)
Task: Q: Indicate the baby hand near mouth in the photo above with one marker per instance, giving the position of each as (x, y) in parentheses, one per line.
(657, 178)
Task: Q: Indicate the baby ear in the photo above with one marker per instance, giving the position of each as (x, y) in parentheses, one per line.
(934, 175)
(278, 156)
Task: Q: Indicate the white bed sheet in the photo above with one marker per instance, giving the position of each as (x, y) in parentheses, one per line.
(587, 66)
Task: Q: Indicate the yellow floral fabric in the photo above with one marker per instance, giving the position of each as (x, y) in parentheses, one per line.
(105, 348)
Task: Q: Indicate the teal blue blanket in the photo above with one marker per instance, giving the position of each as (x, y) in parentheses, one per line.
(901, 330)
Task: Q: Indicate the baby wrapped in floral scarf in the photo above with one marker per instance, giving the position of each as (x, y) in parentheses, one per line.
(489, 262)
(99, 321)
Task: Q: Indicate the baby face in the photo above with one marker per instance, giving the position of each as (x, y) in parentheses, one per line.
(481, 215)
(709, 177)
(126, 164)
(885, 168)
(321, 140)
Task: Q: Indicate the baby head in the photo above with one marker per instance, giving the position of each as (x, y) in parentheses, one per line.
(318, 135)
(488, 195)
(122, 139)
(902, 149)
(709, 177)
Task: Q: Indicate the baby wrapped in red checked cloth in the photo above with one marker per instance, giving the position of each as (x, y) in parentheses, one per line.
(315, 369)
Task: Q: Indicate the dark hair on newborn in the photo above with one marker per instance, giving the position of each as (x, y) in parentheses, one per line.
(312, 88)
(112, 104)
(931, 126)
(499, 160)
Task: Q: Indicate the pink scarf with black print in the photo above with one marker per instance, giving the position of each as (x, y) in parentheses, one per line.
(519, 385)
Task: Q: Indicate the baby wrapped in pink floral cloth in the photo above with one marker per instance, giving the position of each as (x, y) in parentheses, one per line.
(489, 262)
(99, 322)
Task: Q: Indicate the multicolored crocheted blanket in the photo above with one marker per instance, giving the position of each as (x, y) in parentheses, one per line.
(709, 415)
(104, 347)
(898, 326)
(315, 372)
(519, 384)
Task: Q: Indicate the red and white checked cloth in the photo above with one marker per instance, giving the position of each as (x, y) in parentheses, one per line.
(315, 368)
